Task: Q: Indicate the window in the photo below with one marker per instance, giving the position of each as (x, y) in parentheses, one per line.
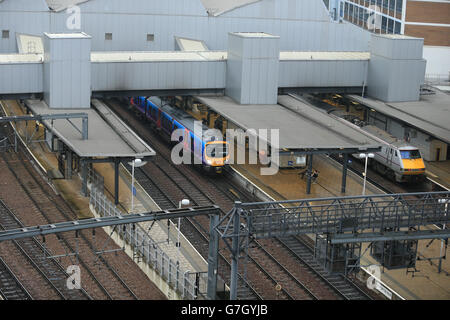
(150, 37)
(5, 34)
(108, 36)
(216, 150)
(410, 154)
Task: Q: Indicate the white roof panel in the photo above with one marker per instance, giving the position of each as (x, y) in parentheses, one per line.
(186, 44)
(154, 56)
(325, 55)
(29, 43)
(21, 58)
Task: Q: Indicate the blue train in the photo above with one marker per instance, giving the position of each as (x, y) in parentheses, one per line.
(214, 153)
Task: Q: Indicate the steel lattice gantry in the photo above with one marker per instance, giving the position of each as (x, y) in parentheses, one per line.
(353, 219)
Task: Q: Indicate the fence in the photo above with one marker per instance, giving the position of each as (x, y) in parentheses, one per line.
(189, 285)
(95, 179)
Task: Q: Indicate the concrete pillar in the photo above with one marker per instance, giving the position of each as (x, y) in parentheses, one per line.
(252, 68)
(67, 70)
(344, 173)
(396, 68)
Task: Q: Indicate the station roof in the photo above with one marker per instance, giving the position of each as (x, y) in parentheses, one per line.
(108, 135)
(198, 55)
(430, 114)
(304, 128)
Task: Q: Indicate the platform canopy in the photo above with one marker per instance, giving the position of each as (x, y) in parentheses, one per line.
(303, 129)
(109, 137)
(430, 114)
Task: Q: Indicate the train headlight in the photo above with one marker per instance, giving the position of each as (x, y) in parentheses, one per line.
(208, 162)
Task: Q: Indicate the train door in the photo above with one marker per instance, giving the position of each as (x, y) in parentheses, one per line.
(389, 157)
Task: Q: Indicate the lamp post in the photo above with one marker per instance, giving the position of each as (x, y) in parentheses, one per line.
(367, 156)
(181, 204)
(135, 163)
(446, 201)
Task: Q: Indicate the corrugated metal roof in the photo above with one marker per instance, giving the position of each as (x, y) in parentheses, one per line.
(430, 114)
(107, 137)
(218, 7)
(303, 127)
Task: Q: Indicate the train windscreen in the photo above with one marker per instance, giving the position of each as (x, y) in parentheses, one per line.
(217, 150)
(410, 154)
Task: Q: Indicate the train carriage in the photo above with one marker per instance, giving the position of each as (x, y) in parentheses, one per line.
(214, 152)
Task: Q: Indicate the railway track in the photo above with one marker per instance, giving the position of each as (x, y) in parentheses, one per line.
(179, 182)
(34, 255)
(99, 275)
(10, 286)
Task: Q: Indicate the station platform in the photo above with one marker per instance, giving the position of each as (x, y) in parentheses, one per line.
(190, 260)
(426, 283)
(439, 171)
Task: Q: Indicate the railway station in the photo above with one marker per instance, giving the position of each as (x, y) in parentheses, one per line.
(318, 153)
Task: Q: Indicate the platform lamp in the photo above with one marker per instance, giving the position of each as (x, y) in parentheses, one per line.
(367, 156)
(135, 163)
(181, 204)
(446, 201)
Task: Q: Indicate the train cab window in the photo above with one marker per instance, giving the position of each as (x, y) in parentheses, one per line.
(410, 154)
(216, 150)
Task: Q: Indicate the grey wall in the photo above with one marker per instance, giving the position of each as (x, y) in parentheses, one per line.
(67, 71)
(111, 76)
(322, 73)
(21, 78)
(252, 66)
(396, 68)
(302, 25)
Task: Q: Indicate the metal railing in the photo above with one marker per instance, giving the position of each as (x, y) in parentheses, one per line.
(189, 285)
